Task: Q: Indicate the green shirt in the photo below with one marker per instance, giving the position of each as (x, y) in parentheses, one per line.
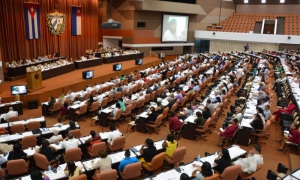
(122, 106)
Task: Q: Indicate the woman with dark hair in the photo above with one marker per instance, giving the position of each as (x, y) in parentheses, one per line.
(257, 123)
(47, 150)
(72, 126)
(225, 85)
(51, 102)
(95, 138)
(222, 161)
(72, 170)
(199, 121)
(159, 109)
(17, 152)
(206, 113)
(149, 152)
(152, 115)
(170, 144)
(37, 175)
(260, 112)
(202, 171)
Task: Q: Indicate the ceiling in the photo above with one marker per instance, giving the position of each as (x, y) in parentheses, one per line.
(267, 2)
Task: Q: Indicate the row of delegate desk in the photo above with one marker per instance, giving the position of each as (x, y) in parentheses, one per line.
(235, 152)
(21, 70)
(16, 105)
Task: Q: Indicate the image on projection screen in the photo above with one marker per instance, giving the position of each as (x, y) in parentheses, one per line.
(175, 28)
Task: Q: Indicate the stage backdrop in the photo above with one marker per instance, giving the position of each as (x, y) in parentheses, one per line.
(15, 46)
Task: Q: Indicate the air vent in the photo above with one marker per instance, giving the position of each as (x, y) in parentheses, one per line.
(141, 24)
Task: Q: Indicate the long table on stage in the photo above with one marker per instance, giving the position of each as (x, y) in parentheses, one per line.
(21, 70)
(58, 71)
(17, 106)
(88, 63)
(115, 59)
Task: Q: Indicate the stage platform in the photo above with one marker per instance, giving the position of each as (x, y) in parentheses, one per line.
(73, 80)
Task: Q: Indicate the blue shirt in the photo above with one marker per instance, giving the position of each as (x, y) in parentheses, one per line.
(127, 161)
(195, 88)
(119, 89)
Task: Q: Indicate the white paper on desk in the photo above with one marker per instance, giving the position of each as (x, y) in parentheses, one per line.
(210, 159)
(296, 174)
(235, 152)
(107, 110)
(83, 139)
(104, 135)
(169, 175)
(144, 115)
(158, 144)
(26, 178)
(62, 166)
(117, 157)
(289, 177)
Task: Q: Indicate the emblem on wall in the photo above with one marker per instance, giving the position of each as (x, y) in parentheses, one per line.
(56, 22)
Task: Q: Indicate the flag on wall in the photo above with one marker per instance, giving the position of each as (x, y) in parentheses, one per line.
(32, 20)
(76, 20)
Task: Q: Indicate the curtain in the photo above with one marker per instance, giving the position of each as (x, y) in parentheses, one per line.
(15, 46)
(228, 46)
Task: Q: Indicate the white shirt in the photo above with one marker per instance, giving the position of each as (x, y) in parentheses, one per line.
(168, 36)
(11, 114)
(89, 89)
(71, 96)
(97, 87)
(250, 163)
(69, 144)
(239, 73)
(99, 99)
(113, 135)
(53, 138)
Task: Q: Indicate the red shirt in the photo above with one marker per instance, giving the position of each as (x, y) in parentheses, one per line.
(174, 123)
(295, 136)
(229, 131)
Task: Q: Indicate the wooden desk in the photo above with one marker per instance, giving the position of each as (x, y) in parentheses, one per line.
(243, 136)
(141, 125)
(294, 161)
(188, 131)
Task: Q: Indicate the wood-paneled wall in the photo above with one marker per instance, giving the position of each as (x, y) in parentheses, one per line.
(275, 9)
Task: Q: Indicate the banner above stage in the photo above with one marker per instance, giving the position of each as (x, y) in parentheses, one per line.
(76, 20)
(56, 22)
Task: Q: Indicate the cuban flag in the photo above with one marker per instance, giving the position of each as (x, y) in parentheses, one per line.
(76, 20)
(32, 20)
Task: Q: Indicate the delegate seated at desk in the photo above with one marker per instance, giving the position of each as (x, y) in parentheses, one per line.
(113, 134)
(149, 152)
(170, 144)
(10, 113)
(249, 164)
(127, 160)
(17, 153)
(104, 163)
(70, 142)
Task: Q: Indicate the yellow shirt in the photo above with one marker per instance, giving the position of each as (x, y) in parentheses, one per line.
(76, 173)
(171, 148)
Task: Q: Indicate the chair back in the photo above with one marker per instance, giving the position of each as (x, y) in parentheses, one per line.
(212, 177)
(138, 86)
(110, 98)
(118, 115)
(56, 106)
(141, 103)
(158, 120)
(86, 96)
(28, 141)
(17, 128)
(147, 98)
(33, 125)
(159, 91)
(96, 148)
(133, 103)
(118, 143)
(123, 92)
(73, 154)
(156, 162)
(68, 100)
(104, 89)
(128, 110)
(76, 133)
(118, 95)
(41, 161)
(231, 172)
(152, 97)
(165, 113)
(267, 126)
(110, 174)
(104, 102)
(184, 99)
(93, 92)
(13, 119)
(132, 171)
(174, 107)
(94, 107)
(83, 109)
(16, 167)
(80, 177)
(178, 155)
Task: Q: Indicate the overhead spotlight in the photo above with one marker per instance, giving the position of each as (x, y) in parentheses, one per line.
(289, 37)
(214, 33)
(263, 1)
(282, 1)
(246, 1)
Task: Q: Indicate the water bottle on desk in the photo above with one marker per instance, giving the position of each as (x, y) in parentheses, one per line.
(198, 158)
(49, 168)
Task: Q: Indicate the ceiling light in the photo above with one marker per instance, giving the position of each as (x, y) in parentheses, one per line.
(245, 1)
(281, 1)
(263, 1)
